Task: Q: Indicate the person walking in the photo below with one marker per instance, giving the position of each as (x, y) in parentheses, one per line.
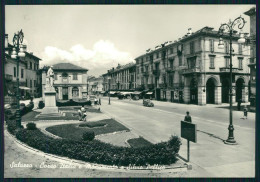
(245, 112)
(239, 104)
(187, 117)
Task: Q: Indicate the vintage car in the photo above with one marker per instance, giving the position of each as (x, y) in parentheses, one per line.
(148, 103)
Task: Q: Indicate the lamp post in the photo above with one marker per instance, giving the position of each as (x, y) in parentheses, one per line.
(18, 47)
(109, 78)
(229, 29)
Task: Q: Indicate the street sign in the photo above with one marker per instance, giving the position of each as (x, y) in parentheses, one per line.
(189, 131)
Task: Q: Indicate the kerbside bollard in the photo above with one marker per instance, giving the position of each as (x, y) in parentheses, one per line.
(189, 132)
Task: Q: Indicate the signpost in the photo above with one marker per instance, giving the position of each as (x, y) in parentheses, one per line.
(189, 132)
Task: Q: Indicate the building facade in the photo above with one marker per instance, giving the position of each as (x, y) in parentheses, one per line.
(95, 85)
(29, 77)
(121, 78)
(70, 81)
(252, 62)
(194, 70)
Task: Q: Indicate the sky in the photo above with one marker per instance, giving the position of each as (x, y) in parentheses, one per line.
(99, 37)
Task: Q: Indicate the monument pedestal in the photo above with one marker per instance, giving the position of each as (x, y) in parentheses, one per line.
(50, 101)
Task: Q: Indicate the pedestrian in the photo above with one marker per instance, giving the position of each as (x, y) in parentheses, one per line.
(245, 112)
(239, 104)
(188, 117)
(99, 100)
(82, 113)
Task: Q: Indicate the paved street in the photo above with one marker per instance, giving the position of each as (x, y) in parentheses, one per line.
(218, 159)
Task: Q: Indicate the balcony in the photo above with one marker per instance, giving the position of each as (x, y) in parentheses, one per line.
(227, 70)
(8, 77)
(170, 69)
(191, 70)
(252, 62)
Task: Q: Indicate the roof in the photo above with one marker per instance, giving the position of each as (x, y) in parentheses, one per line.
(250, 12)
(68, 66)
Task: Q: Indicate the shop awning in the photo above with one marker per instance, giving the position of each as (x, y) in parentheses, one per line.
(102, 92)
(136, 93)
(24, 88)
(149, 93)
(112, 92)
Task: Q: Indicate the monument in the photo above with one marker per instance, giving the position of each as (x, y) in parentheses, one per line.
(50, 94)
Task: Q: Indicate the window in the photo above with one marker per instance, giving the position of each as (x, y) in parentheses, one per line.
(211, 41)
(191, 62)
(146, 68)
(31, 83)
(240, 63)
(192, 47)
(171, 63)
(55, 76)
(22, 73)
(157, 55)
(212, 62)
(180, 60)
(34, 67)
(239, 49)
(171, 50)
(75, 92)
(226, 47)
(227, 62)
(31, 65)
(14, 71)
(170, 80)
(34, 83)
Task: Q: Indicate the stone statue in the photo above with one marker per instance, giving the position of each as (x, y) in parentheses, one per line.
(50, 76)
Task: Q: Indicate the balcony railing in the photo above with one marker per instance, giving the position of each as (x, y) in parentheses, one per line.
(227, 70)
(170, 69)
(8, 77)
(191, 70)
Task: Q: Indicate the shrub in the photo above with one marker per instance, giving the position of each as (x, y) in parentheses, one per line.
(11, 126)
(88, 136)
(175, 143)
(31, 126)
(41, 104)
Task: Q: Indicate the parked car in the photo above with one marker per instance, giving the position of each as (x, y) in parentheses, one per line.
(93, 99)
(148, 103)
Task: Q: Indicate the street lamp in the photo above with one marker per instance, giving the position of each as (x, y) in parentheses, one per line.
(109, 78)
(18, 47)
(229, 29)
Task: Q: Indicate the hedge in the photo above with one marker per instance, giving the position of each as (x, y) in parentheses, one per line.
(73, 103)
(102, 153)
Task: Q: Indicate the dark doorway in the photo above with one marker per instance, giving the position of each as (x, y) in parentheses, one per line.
(172, 96)
(225, 91)
(210, 91)
(239, 88)
(64, 93)
(193, 92)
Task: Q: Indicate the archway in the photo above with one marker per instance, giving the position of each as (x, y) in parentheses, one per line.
(225, 91)
(193, 91)
(239, 87)
(210, 91)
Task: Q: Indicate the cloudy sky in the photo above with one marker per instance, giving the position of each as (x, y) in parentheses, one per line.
(98, 37)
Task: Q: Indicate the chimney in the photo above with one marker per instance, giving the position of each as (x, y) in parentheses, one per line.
(6, 43)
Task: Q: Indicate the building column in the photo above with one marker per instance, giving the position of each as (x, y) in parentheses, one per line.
(245, 94)
(186, 95)
(80, 92)
(218, 96)
(201, 96)
(70, 93)
(60, 92)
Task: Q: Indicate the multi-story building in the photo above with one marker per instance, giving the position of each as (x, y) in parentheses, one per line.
(70, 81)
(122, 78)
(29, 78)
(252, 63)
(194, 70)
(95, 85)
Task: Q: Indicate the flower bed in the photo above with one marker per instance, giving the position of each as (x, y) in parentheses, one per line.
(99, 152)
(72, 131)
